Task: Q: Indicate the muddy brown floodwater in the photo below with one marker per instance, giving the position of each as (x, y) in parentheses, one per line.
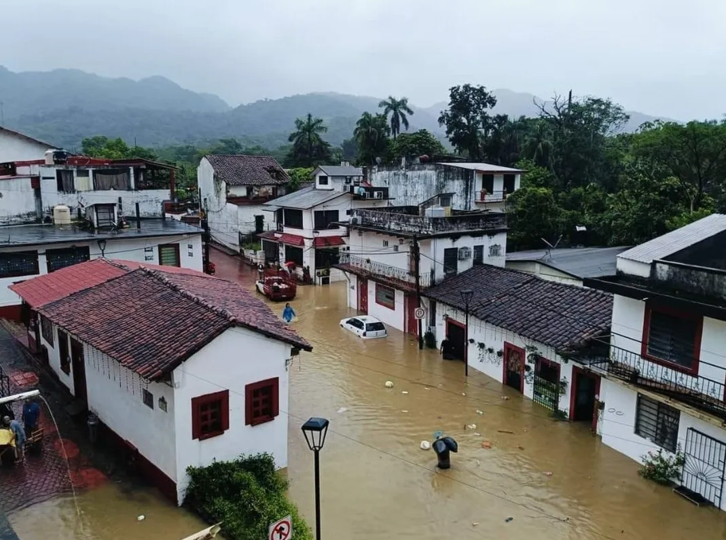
(376, 484)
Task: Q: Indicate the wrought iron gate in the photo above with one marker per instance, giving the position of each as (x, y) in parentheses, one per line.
(4, 384)
(705, 462)
(546, 393)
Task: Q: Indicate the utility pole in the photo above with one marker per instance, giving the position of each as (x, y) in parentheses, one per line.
(416, 268)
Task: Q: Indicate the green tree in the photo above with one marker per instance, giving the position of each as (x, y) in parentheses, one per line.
(298, 176)
(467, 119)
(371, 134)
(533, 215)
(308, 147)
(416, 144)
(349, 149)
(398, 109)
(101, 146)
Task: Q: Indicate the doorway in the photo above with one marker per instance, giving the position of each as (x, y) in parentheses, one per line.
(514, 367)
(457, 336)
(363, 295)
(79, 371)
(546, 383)
(584, 396)
(411, 320)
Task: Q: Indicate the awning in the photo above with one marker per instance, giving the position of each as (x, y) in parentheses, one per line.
(328, 241)
(283, 238)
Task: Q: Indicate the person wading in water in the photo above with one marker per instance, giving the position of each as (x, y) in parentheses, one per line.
(447, 349)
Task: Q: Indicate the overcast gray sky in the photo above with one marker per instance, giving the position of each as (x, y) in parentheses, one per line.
(662, 57)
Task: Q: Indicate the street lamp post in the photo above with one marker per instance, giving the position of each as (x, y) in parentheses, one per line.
(315, 431)
(466, 296)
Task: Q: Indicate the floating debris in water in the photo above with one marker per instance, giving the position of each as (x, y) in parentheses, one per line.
(404, 392)
(141, 518)
(508, 519)
(548, 473)
(425, 445)
(471, 426)
(479, 412)
(342, 410)
(404, 410)
(486, 444)
(389, 384)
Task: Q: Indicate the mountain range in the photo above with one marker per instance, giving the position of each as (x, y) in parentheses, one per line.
(63, 106)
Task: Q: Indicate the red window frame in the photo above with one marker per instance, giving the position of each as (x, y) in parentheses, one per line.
(262, 401)
(198, 414)
(693, 370)
(391, 305)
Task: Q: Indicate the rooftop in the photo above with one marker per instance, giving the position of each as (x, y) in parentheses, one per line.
(550, 313)
(577, 262)
(340, 170)
(26, 137)
(483, 167)
(161, 319)
(239, 170)
(675, 241)
(305, 198)
(35, 235)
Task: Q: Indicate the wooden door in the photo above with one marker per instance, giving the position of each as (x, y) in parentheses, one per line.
(411, 321)
(514, 367)
(79, 370)
(363, 295)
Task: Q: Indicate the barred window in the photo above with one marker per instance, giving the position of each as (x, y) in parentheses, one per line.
(60, 258)
(657, 422)
(672, 337)
(19, 263)
(46, 329)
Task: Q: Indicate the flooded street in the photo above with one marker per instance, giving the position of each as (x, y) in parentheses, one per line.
(377, 484)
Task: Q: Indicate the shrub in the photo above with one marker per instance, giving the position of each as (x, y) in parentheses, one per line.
(247, 495)
(430, 340)
(662, 468)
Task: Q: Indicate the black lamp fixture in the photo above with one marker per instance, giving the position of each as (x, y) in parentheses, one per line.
(102, 247)
(466, 297)
(315, 430)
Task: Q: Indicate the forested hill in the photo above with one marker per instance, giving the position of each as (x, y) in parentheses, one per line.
(64, 106)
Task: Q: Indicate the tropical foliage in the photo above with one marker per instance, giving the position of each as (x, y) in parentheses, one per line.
(308, 147)
(397, 109)
(371, 135)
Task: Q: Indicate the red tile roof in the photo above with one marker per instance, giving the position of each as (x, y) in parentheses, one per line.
(283, 238)
(151, 321)
(238, 170)
(328, 241)
(51, 287)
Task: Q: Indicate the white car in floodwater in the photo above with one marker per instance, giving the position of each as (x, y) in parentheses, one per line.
(365, 327)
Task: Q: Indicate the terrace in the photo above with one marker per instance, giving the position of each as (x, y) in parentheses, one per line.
(391, 275)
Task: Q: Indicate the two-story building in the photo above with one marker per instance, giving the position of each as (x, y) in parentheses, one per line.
(395, 252)
(180, 368)
(233, 189)
(311, 222)
(473, 186)
(664, 367)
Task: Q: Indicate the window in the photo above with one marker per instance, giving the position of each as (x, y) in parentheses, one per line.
(326, 258)
(262, 401)
(375, 327)
(294, 254)
(487, 183)
(169, 255)
(64, 180)
(357, 323)
(445, 200)
(108, 179)
(323, 180)
(509, 183)
(385, 243)
(451, 261)
(148, 398)
(46, 329)
(61, 258)
(294, 219)
(395, 247)
(19, 263)
(272, 251)
(325, 219)
(495, 250)
(672, 338)
(65, 358)
(105, 215)
(478, 254)
(385, 296)
(657, 422)
(210, 415)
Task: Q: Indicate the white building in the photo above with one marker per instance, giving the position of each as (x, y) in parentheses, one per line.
(473, 186)
(309, 231)
(232, 189)
(27, 251)
(381, 261)
(521, 331)
(163, 368)
(15, 146)
(663, 376)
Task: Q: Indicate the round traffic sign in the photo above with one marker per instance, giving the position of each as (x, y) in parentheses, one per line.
(419, 312)
(281, 530)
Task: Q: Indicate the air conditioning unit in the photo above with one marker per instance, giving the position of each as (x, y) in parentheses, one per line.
(464, 253)
(377, 194)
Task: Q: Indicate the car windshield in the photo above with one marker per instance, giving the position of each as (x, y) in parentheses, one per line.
(375, 327)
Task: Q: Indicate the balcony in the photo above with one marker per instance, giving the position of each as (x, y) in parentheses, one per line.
(484, 197)
(407, 220)
(392, 275)
(701, 392)
(368, 193)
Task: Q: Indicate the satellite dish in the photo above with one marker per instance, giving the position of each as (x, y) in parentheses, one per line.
(378, 160)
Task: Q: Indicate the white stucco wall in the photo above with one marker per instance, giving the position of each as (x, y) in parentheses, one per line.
(54, 358)
(15, 148)
(17, 201)
(234, 359)
(632, 268)
(127, 248)
(390, 317)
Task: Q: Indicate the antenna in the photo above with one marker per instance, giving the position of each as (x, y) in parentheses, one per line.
(550, 246)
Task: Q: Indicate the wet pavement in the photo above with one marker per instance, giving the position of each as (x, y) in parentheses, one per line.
(555, 480)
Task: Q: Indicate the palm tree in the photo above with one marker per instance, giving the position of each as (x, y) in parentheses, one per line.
(398, 108)
(308, 147)
(371, 134)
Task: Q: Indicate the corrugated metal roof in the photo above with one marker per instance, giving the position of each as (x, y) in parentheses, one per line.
(578, 262)
(304, 198)
(483, 167)
(675, 241)
(338, 170)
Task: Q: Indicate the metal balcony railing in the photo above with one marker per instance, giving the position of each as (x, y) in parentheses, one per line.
(491, 196)
(405, 222)
(390, 273)
(704, 393)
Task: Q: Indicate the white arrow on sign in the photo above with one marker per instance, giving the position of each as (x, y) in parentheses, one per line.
(281, 529)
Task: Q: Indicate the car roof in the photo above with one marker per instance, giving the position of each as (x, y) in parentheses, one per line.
(365, 318)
